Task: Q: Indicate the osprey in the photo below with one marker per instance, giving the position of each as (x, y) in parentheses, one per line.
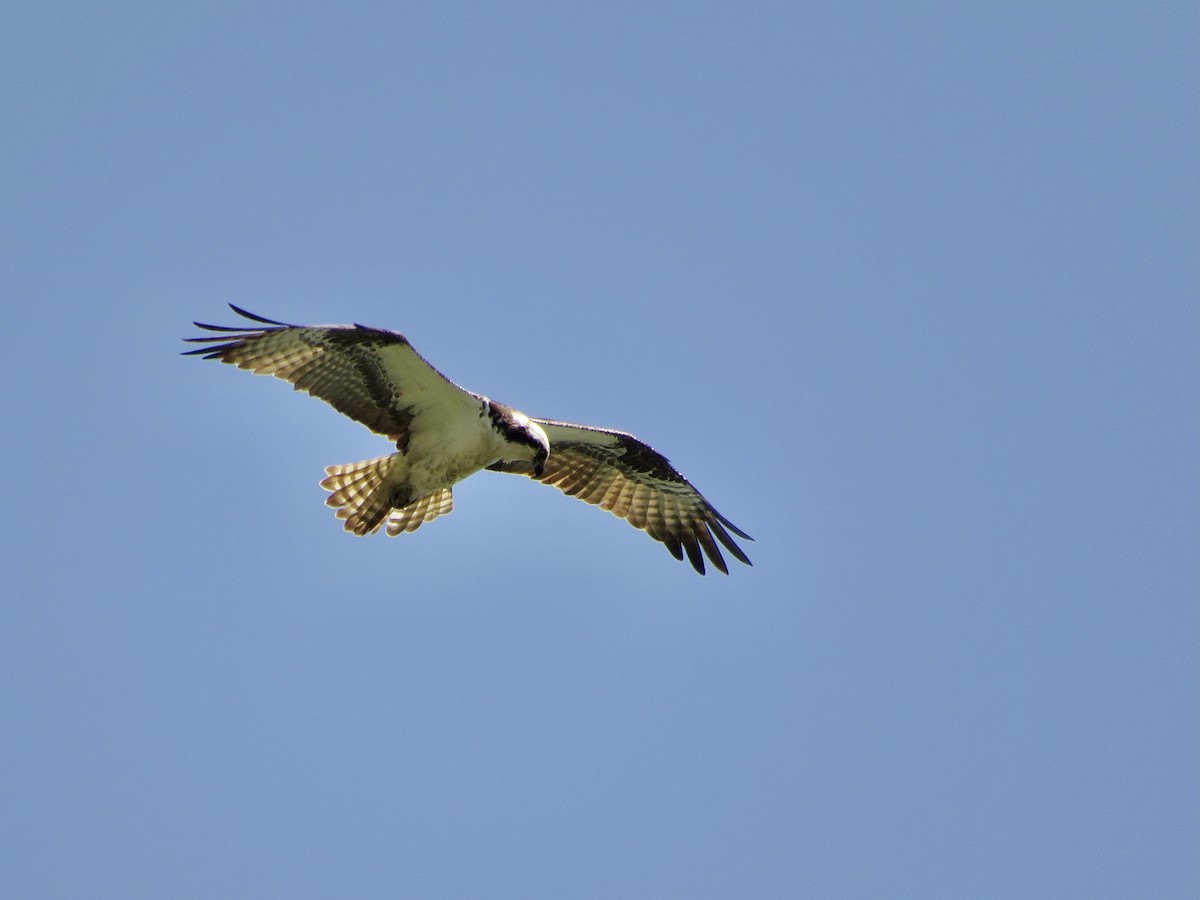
(444, 433)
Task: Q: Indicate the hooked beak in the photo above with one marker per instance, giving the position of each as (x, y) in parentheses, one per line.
(539, 466)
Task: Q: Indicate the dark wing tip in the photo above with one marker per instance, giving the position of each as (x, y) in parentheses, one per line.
(206, 352)
(729, 543)
(724, 521)
(674, 547)
(232, 334)
(207, 327)
(697, 540)
(719, 562)
(254, 317)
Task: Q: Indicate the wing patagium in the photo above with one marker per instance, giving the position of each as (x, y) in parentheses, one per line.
(633, 481)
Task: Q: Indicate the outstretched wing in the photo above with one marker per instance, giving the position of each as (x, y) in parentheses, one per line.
(635, 482)
(373, 376)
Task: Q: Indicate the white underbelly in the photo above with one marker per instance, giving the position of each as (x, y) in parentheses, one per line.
(441, 459)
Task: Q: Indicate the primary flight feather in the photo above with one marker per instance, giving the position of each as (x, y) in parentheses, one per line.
(444, 433)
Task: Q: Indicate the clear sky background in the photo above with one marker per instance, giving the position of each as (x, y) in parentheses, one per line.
(910, 291)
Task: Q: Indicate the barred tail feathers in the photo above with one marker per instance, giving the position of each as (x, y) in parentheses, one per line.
(365, 494)
(361, 492)
(413, 516)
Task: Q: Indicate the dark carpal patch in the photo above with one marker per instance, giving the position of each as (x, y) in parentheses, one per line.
(386, 396)
(641, 457)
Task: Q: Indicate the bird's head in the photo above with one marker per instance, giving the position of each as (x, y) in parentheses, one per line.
(526, 440)
(540, 447)
(539, 463)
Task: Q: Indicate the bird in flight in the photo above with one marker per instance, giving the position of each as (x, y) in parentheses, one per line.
(443, 433)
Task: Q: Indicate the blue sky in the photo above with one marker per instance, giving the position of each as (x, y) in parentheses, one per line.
(909, 292)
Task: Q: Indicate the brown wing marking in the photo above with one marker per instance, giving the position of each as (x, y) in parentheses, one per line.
(630, 479)
(368, 374)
